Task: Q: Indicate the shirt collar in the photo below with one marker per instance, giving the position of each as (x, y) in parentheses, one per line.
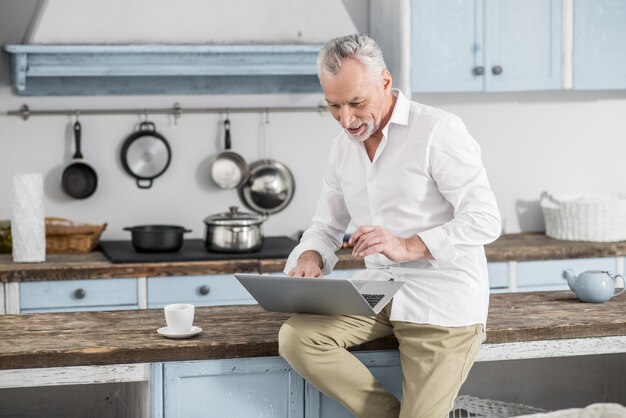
(401, 110)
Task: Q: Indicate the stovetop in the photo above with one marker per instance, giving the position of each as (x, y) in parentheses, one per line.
(193, 250)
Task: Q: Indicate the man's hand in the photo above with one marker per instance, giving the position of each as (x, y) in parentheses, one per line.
(309, 265)
(372, 239)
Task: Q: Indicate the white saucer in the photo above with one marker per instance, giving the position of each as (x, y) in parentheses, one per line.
(165, 331)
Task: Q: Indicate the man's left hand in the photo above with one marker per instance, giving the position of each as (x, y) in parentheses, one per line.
(372, 239)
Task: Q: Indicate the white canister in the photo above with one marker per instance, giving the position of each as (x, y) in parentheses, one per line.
(28, 228)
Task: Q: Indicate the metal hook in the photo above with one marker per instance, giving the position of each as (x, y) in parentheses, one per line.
(267, 115)
(145, 115)
(77, 115)
(177, 111)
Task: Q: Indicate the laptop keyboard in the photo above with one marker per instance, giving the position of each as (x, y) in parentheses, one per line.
(372, 299)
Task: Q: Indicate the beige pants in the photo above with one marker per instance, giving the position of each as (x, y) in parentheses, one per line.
(435, 362)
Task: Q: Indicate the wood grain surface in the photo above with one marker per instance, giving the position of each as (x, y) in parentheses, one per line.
(513, 247)
(120, 337)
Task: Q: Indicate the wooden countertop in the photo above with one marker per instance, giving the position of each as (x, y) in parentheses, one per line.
(121, 337)
(512, 247)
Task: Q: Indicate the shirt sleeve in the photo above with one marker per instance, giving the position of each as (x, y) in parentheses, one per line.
(456, 166)
(325, 235)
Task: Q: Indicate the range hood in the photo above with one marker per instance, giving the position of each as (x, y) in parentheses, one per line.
(57, 70)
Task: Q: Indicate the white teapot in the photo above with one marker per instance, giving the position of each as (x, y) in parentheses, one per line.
(593, 285)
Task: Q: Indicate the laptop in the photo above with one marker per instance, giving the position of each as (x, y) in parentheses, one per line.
(319, 295)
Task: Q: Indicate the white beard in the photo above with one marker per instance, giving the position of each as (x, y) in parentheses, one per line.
(369, 131)
(372, 126)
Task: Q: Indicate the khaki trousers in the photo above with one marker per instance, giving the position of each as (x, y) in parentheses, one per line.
(435, 362)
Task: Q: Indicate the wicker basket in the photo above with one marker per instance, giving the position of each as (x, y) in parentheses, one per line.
(598, 218)
(65, 236)
(470, 406)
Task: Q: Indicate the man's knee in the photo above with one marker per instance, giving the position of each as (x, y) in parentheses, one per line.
(298, 339)
(288, 341)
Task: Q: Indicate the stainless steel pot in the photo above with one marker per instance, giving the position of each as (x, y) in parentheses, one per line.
(228, 170)
(234, 231)
(270, 185)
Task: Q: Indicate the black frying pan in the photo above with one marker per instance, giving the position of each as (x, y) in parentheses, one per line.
(79, 179)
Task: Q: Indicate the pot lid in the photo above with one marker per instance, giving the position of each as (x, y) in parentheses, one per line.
(234, 217)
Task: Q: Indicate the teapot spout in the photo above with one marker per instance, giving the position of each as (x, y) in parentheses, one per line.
(569, 275)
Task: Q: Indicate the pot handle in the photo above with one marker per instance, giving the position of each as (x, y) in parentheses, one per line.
(144, 186)
(227, 143)
(77, 134)
(147, 126)
(127, 228)
(187, 230)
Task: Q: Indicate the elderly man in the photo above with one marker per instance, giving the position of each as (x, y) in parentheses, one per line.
(411, 178)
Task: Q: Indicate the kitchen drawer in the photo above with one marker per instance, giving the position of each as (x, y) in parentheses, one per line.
(548, 274)
(498, 275)
(78, 295)
(223, 289)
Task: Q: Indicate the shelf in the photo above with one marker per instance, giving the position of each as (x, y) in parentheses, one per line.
(57, 70)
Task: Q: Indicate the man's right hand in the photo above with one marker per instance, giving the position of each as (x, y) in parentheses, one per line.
(309, 265)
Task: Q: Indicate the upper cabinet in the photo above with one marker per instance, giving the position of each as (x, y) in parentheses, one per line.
(47, 70)
(599, 44)
(485, 45)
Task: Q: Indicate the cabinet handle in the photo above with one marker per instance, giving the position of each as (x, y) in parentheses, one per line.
(479, 70)
(496, 70)
(80, 293)
(204, 290)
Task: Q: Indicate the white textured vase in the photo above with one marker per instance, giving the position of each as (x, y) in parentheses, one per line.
(28, 228)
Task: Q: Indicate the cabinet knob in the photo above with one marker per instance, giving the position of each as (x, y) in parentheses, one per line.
(496, 70)
(480, 70)
(204, 290)
(80, 293)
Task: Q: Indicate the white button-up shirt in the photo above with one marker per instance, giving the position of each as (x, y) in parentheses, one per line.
(426, 178)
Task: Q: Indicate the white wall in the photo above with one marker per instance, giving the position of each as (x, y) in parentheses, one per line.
(561, 142)
(556, 141)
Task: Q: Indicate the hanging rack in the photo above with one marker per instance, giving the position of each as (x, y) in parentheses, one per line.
(25, 112)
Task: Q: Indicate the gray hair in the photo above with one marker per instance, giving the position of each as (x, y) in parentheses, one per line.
(360, 47)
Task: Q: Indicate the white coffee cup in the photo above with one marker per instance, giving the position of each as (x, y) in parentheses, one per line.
(179, 317)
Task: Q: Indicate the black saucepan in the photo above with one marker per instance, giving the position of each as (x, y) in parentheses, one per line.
(79, 180)
(157, 238)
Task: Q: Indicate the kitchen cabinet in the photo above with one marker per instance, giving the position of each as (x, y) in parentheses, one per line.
(547, 274)
(264, 386)
(78, 295)
(599, 44)
(250, 387)
(482, 45)
(207, 290)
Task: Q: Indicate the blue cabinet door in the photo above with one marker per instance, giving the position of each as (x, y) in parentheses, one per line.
(242, 388)
(446, 45)
(486, 45)
(599, 44)
(384, 365)
(523, 44)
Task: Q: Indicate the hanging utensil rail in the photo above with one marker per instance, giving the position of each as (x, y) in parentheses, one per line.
(177, 111)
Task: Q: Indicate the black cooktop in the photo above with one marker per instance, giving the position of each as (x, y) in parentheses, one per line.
(193, 250)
